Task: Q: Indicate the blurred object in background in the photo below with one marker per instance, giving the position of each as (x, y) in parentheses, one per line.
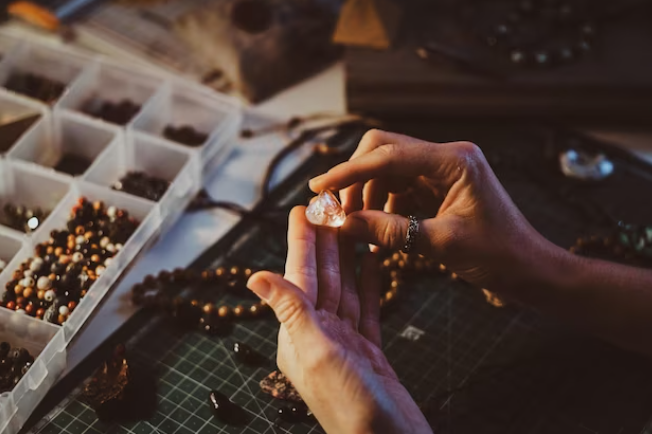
(254, 48)
(558, 60)
(262, 46)
(49, 14)
(368, 23)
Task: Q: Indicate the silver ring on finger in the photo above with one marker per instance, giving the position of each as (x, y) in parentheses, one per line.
(412, 232)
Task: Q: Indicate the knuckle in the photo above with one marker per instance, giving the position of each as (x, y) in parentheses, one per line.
(389, 151)
(372, 137)
(469, 154)
(320, 358)
(301, 270)
(392, 233)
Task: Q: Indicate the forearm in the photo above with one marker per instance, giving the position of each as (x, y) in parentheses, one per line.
(610, 300)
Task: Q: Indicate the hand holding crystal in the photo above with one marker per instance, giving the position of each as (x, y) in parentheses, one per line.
(471, 225)
(329, 339)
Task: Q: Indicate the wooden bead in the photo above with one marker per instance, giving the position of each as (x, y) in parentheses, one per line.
(28, 292)
(40, 312)
(248, 272)
(394, 274)
(149, 281)
(239, 311)
(401, 264)
(21, 302)
(454, 276)
(442, 268)
(207, 276)
(58, 251)
(387, 263)
(164, 276)
(394, 284)
(79, 230)
(390, 295)
(220, 272)
(40, 294)
(255, 310)
(224, 312)
(194, 303)
(396, 257)
(97, 259)
(49, 250)
(11, 305)
(18, 289)
(235, 271)
(61, 319)
(71, 305)
(29, 309)
(70, 245)
(208, 308)
(178, 275)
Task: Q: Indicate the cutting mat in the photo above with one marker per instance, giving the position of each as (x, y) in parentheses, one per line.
(472, 367)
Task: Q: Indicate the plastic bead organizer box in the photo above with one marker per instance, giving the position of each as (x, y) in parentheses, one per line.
(29, 175)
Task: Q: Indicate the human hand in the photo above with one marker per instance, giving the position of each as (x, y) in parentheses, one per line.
(329, 339)
(473, 228)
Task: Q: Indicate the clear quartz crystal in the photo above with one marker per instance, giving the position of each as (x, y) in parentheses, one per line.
(325, 210)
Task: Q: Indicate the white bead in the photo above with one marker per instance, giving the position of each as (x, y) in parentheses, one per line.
(28, 282)
(99, 270)
(28, 273)
(111, 212)
(104, 242)
(110, 248)
(3, 265)
(36, 264)
(49, 295)
(77, 256)
(21, 311)
(118, 247)
(80, 240)
(108, 261)
(63, 310)
(43, 282)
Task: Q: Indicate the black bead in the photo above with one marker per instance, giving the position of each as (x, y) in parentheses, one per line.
(295, 413)
(247, 355)
(4, 349)
(225, 410)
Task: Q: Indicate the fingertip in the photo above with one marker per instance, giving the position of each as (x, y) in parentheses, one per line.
(261, 284)
(316, 183)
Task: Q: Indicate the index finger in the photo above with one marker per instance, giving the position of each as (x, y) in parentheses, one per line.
(443, 163)
(301, 263)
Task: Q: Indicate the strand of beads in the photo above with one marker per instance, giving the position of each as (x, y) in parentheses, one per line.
(163, 293)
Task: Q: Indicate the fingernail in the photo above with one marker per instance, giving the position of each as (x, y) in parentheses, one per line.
(316, 180)
(260, 286)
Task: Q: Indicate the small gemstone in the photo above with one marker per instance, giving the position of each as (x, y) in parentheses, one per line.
(325, 210)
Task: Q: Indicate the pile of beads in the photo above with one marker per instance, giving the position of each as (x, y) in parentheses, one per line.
(50, 284)
(14, 364)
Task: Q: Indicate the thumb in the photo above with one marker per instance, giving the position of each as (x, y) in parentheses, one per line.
(388, 230)
(290, 305)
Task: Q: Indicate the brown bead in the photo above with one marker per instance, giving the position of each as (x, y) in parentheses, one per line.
(79, 230)
(454, 276)
(573, 249)
(65, 259)
(401, 264)
(58, 251)
(239, 311)
(387, 263)
(40, 294)
(88, 235)
(61, 319)
(20, 302)
(29, 309)
(150, 281)
(394, 274)
(396, 257)
(248, 272)
(419, 265)
(17, 275)
(28, 292)
(194, 303)
(442, 268)
(207, 276)
(82, 293)
(52, 277)
(18, 289)
(49, 250)
(389, 296)
(224, 312)
(208, 308)
(235, 271)
(580, 242)
(382, 302)
(40, 312)
(179, 275)
(96, 259)
(164, 276)
(98, 205)
(255, 309)
(394, 284)
(11, 305)
(71, 305)
(70, 245)
(221, 271)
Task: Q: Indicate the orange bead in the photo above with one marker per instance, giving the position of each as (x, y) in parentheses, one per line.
(72, 305)
(40, 312)
(61, 319)
(28, 292)
(11, 305)
(29, 309)
(40, 294)
(18, 289)
(58, 251)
